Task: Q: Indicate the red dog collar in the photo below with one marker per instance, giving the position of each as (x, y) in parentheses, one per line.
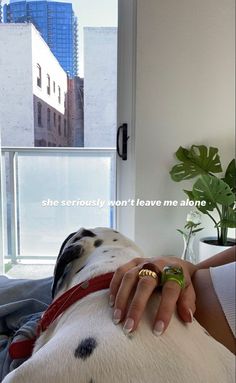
(24, 348)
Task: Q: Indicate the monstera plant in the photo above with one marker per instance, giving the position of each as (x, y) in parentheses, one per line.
(203, 163)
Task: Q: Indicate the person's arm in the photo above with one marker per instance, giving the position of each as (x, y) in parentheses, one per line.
(226, 256)
(128, 305)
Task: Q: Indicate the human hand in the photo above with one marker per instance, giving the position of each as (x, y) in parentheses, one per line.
(126, 284)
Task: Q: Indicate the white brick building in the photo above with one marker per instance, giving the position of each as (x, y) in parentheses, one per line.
(33, 90)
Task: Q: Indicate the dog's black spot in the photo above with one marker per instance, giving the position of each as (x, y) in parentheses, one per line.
(85, 348)
(116, 231)
(114, 240)
(92, 381)
(98, 242)
(76, 239)
(87, 233)
(105, 251)
(84, 233)
(113, 256)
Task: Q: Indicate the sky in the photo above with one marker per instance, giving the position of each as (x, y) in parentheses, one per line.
(93, 13)
(90, 13)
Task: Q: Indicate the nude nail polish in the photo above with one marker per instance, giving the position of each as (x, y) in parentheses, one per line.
(111, 300)
(117, 316)
(191, 315)
(128, 326)
(159, 328)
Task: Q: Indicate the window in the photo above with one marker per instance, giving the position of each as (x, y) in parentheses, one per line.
(59, 94)
(48, 84)
(65, 132)
(48, 119)
(54, 119)
(39, 114)
(65, 100)
(39, 76)
(59, 125)
(54, 87)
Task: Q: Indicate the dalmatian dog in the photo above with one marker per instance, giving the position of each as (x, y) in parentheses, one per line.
(83, 345)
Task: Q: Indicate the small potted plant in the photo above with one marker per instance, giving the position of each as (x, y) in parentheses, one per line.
(190, 229)
(215, 194)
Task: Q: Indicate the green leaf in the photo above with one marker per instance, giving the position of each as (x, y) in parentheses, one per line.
(230, 175)
(181, 231)
(195, 231)
(189, 194)
(212, 190)
(196, 161)
(230, 221)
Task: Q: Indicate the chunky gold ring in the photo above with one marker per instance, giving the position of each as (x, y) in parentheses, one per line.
(147, 273)
(173, 273)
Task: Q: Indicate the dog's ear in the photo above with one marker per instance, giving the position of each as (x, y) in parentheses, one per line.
(65, 257)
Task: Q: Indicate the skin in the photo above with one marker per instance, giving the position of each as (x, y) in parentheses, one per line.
(209, 312)
(129, 296)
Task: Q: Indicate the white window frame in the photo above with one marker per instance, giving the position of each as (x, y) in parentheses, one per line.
(126, 91)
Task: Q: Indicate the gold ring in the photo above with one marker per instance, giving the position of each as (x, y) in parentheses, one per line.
(147, 273)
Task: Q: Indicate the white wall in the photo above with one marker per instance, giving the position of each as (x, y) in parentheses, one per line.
(16, 101)
(42, 55)
(22, 48)
(185, 95)
(100, 86)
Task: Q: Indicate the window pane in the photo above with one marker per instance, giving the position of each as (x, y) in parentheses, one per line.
(38, 215)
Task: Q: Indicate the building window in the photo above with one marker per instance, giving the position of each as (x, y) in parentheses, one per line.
(54, 87)
(65, 100)
(39, 76)
(65, 132)
(59, 125)
(48, 118)
(54, 119)
(48, 84)
(59, 94)
(39, 114)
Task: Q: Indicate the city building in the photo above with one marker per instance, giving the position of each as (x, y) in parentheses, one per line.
(0, 11)
(100, 86)
(34, 87)
(76, 111)
(57, 24)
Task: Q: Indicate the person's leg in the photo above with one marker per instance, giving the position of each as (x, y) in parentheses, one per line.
(209, 312)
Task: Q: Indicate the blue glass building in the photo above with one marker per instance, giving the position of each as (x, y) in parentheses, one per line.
(57, 24)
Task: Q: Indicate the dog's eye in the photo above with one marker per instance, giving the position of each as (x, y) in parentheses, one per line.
(114, 240)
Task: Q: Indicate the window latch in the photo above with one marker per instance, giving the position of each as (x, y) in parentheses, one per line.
(122, 139)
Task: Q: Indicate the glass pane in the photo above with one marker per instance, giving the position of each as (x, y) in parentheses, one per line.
(57, 194)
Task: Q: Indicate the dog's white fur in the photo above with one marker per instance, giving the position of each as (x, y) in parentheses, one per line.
(184, 353)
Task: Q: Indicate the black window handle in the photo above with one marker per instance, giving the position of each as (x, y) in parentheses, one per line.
(124, 140)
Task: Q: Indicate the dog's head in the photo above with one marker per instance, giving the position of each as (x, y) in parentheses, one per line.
(84, 247)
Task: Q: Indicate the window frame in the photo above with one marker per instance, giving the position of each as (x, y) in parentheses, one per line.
(48, 118)
(39, 114)
(48, 84)
(126, 99)
(39, 75)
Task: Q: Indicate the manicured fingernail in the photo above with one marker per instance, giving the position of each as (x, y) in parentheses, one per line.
(111, 300)
(191, 315)
(117, 316)
(159, 328)
(128, 326)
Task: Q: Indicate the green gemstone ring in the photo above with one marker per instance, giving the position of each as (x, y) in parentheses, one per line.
(173, 273)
